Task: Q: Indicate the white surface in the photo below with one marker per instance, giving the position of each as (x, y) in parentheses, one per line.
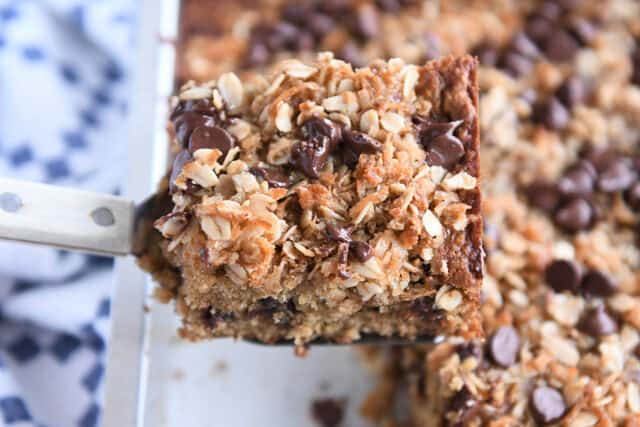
(234, 384)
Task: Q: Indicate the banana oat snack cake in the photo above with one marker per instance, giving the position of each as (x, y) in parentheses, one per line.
(326, 202)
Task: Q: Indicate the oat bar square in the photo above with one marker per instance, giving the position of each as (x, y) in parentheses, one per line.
(323, 201)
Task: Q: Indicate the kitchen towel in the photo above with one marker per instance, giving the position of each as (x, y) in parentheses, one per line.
(63, 105)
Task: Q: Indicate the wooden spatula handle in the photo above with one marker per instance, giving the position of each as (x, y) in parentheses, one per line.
(70, 219)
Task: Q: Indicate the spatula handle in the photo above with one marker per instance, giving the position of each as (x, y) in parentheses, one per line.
(70, 219)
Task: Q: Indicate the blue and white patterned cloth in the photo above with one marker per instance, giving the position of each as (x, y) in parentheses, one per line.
(63, 104)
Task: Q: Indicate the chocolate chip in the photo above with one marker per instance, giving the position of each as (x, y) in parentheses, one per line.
(364, 23)
(267, 307)
(310, 156)
(552, 114)
(389, 6)
(572, 92)
(445, 151)
(190, 115)
(635, 63)
(282, 36)
(201, 106)
(598, 284)
(569, 5)
(575, 215)
(320, 24)
(212, 320)
(318, 129)
(269, 304)
(333, 7)
(185, 123)
(487, 54)
(274, 177)
(560, 46)
(475, 262)
(442, 146)
(549, 10)
(257, 54)
(343, 258)
(328, 412)
(463, 402)
(523, 45)
(178, 163)
(563, 275)
(338, 234)
(291, 306)
(469, 349)
(504, 346)
(295, 13)
(356, 143)
(516, 64)
(429, 130)
(350, 53)
(547, 405)
(538, 28)
(361, 250)
(600, 157)
(618, 176)
(587, 166)
(426, 269)
(578, 180)
(211, 138)
(632, 196)
(543, 195)
(424, 307)
(597, 322)
(584, 30)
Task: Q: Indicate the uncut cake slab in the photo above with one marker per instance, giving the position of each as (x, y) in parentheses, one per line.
(319, 201)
